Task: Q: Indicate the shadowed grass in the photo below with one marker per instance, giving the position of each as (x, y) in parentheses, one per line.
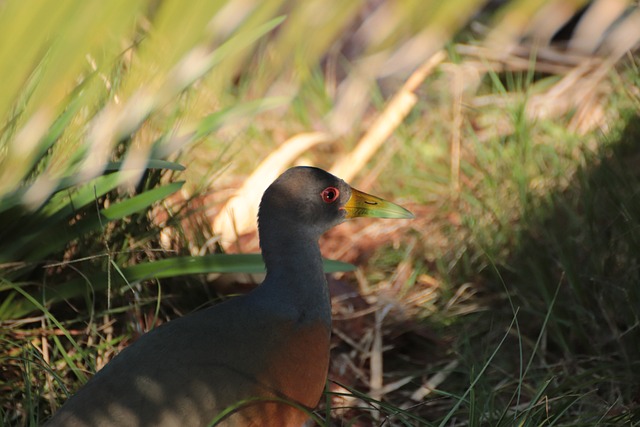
(521, 266)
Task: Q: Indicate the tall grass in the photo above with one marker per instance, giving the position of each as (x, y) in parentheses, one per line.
(535, 258)
(122, 121)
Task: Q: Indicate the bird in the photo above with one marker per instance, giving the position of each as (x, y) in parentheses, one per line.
(260, 359)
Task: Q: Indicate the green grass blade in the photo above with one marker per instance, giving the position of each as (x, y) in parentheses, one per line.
(140, 202)
(215, 121)
(151, 164)
(171, 267)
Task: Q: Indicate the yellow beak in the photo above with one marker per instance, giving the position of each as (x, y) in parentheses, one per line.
(365, 205)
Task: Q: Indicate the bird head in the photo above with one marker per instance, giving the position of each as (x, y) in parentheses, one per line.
(315, 200)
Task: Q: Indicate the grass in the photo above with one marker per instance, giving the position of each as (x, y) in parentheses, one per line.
(536, 278)
(513, 295)
(543, 244)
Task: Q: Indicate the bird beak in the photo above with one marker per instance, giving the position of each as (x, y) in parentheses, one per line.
(365, 205)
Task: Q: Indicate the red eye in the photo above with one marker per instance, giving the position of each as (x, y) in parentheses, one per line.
(330, 194)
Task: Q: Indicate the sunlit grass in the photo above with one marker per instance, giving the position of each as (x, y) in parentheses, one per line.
(515, 287)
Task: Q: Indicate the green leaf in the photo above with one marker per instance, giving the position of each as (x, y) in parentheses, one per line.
(60, 237)
(44, 233)
(47, 229)
(215, 121)
(140, 202)
(151, 164)
(72, 198)
(215, 263)
(171, 267)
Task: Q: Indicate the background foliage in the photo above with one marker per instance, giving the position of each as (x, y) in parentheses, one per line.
(510, 128)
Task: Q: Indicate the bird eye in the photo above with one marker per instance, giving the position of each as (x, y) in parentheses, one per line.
(330, 194)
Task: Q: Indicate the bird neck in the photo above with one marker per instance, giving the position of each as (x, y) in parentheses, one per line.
(295, 274)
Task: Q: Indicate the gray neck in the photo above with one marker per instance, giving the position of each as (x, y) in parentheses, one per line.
(295, 277)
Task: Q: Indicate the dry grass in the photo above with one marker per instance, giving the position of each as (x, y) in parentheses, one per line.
(482, 311)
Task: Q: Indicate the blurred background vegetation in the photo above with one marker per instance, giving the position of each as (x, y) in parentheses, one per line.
(137, 137)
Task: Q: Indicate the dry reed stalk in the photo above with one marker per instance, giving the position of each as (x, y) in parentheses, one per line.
(395, 112)
(433, 382)
(456, 132)
(238, 215)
